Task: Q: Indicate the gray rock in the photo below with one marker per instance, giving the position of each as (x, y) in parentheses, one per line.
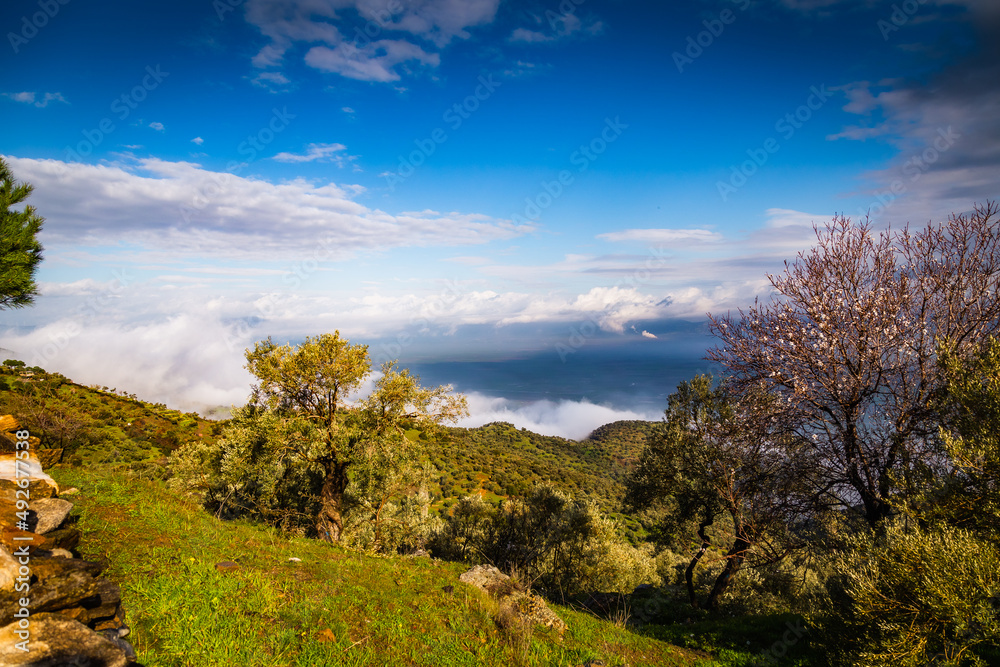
(512, 598)
(57, 641)
(485, 577)
(115, 638)
(50, 513)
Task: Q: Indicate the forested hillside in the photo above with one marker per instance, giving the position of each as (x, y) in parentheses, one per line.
(101, 425)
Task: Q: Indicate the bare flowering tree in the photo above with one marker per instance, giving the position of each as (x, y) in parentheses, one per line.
(849, 342)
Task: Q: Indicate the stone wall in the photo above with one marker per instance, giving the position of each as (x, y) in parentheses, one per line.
(55, 608)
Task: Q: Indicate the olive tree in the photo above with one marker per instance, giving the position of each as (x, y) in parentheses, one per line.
(848, 345)
(305, 393)
(721, 469)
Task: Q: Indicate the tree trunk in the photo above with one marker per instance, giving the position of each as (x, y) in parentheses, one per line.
(689, 574)
(330, 522)
(734, 560)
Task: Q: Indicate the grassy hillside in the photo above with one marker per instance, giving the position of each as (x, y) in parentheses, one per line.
(96, 424)
(335, 607)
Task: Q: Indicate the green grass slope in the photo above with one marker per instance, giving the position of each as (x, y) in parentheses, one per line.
(96, 424)
(335, 607)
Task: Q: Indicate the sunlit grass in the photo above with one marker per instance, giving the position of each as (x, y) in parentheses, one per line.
(335, 607)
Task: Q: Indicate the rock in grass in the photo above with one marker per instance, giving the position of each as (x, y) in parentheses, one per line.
(57, 641)
(113, 637)
(515, 602)
(227, 566)
(49, 513)
(486, 577)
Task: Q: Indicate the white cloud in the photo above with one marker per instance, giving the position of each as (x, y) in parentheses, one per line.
(314, 152)
(662, 235)
(646, 334)
(611, 308)
(181, 207)
(569, 419)
(198, 140)
(376, 61)
(347, 109)
(83, 287)
(560, 26)
(30, 98)
(370, 49)
(273, 81)
(191, 363)
(182, 361)
(784, 217)
(157, 126)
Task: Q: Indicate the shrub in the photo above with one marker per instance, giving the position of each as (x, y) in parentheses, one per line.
(915, 597)
(563, 546)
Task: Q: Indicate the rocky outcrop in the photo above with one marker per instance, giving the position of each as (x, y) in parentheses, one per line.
(512, 599)
(58, 641)
(55, 609)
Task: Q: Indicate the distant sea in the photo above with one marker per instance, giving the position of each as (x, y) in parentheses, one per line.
(636, 376)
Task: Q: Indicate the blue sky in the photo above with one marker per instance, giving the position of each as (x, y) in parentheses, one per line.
(460, 179)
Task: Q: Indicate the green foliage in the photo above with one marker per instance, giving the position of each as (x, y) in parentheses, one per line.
(20, 251)
(915, 597)
(720, 470)
(303, 456)
(563, 546)
(498, 460)
(968, 493)
(333, 607)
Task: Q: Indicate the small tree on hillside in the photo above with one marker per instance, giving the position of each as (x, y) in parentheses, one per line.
(304, 393)
(722, 465)
(20, 251)
(848, 346)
